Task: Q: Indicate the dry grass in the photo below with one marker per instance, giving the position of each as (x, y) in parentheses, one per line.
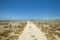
(10, 30)
(50, 28)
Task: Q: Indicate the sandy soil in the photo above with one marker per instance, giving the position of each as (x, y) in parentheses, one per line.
(31, 32)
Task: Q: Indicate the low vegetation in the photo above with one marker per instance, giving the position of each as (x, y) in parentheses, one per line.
(50, 28)
(10, 30)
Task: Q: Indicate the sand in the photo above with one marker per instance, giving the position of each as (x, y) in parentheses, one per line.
(31, 32)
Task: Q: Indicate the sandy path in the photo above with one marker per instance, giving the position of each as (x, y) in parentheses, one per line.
(31, 32)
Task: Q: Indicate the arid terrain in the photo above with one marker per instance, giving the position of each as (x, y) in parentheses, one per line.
(51, 28)
(30, 30)
(10, 30)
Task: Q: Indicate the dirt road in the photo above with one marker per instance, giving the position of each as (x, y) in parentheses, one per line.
(31, 32)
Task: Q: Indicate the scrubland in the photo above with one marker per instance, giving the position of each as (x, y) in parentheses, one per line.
(10, 30)
(51, 28)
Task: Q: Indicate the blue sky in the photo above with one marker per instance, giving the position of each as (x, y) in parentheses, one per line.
(28, 9)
